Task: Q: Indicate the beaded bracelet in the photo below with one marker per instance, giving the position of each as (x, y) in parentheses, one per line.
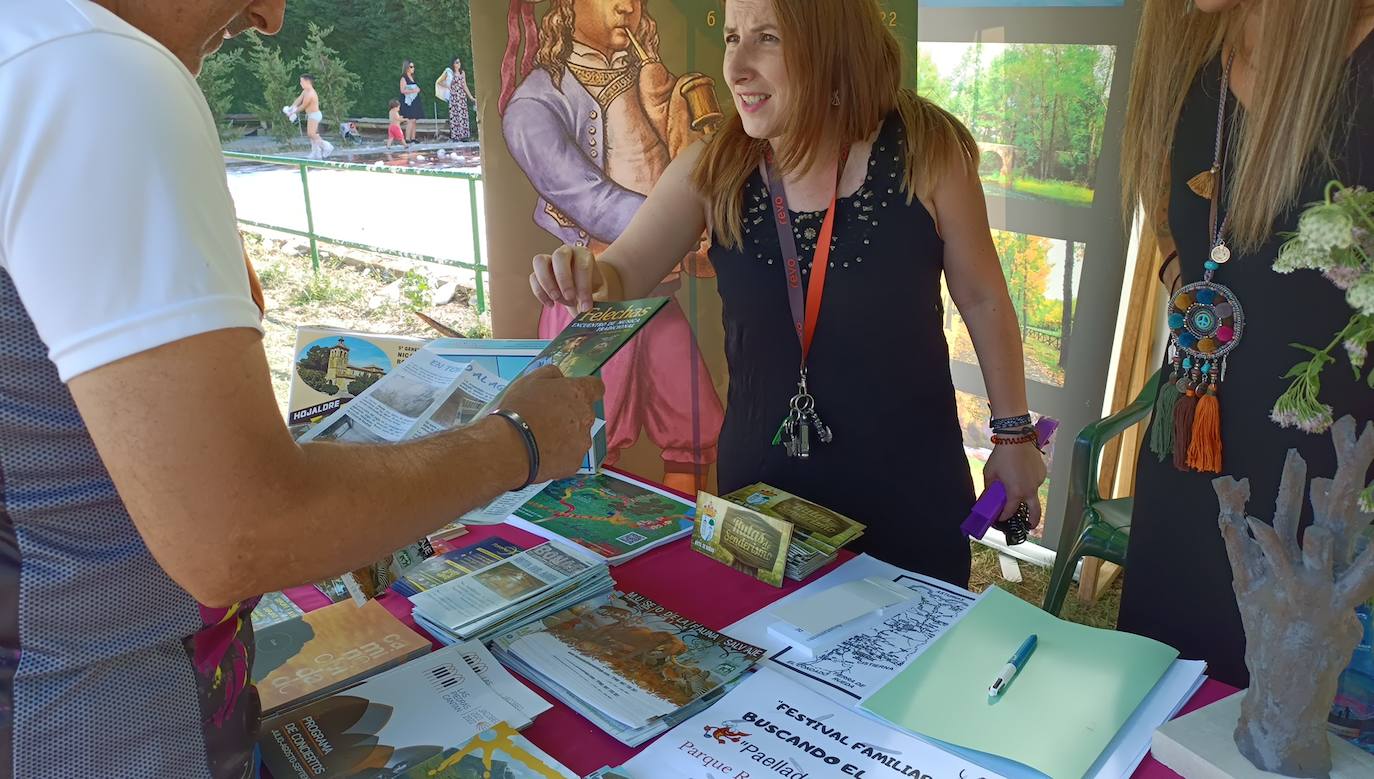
(1025, 438)
(1007, 423)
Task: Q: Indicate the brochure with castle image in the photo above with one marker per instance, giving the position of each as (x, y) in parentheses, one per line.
(323, 651)
(613, 517)
(332, 366)
(395, 720)
(626, 658)
(744, 539)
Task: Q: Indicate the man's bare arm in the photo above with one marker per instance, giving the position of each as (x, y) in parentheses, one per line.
(232, 507)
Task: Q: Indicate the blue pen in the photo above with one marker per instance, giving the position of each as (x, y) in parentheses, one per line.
(1015, 664)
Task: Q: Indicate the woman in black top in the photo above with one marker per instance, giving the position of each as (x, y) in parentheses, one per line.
(411, 107)
(817, 87)
(1319, 67)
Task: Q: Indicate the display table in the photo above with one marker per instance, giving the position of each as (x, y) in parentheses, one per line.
(681, 580)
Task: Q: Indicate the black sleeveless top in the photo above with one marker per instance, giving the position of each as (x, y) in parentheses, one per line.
(1178, 577)
(879, 369)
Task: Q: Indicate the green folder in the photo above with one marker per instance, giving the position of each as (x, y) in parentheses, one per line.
(1060, 711)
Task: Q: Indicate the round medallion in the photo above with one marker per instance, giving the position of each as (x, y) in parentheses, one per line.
(1221, 254)
(1206, 320)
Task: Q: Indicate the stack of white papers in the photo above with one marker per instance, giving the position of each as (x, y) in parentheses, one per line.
(512, 593)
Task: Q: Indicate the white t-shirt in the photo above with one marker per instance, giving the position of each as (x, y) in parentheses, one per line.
(116, 222)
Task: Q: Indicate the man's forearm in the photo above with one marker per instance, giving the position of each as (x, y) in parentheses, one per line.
(339, 507)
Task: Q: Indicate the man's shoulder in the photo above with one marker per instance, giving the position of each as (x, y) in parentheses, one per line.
(30, 25)
(539, 87)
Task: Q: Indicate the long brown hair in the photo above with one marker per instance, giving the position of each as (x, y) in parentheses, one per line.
(1281, 137)
(832, 46)
(556, 36)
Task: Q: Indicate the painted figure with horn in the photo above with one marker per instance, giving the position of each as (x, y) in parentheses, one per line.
(593, 117)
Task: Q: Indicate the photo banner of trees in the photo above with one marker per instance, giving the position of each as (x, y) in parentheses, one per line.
(1042, 276)
(1037, 111)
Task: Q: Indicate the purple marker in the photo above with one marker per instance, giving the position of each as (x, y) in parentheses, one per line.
(990, 504)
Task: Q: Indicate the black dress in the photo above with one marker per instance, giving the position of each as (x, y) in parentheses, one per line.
(1178, 577)
(879, 370)
(414, 109)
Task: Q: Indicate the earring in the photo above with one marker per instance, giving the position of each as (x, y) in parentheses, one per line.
(835, 98)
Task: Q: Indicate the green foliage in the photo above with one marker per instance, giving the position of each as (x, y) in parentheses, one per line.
(415, 289)
(316, 358)
(316, 381)
(373, 37)
(322, 288)
(337, 86)
(359, 385)
(1047, 100)
(275, 88)
(216, 80)
(480, 330)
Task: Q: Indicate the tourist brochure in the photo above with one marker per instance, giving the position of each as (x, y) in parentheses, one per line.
(592, 338)
(1043, 719)
(818, 533)
(450, 565)
(332, 366)
(626, 658)
(510, 593)
(744, 539)
(769, 726)
(328, 649)
(272, 608)
(394, 720)
(615, 518)
(498, 753)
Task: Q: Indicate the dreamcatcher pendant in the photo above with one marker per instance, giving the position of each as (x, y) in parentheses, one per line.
(1206, 323)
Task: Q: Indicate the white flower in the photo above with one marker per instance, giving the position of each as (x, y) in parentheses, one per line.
(1326, 227)
(1356, 351)
(1343, 276)
(1298, 254)
(1317, 420)
(1360, 296)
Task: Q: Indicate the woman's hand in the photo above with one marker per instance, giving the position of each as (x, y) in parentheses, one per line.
(1021, 469)
(568, 277)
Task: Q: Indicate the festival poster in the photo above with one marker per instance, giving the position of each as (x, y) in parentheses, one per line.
(770, 726)
(595, 98)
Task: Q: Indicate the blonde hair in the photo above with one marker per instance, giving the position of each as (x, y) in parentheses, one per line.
(1281, 138)
(832, 46)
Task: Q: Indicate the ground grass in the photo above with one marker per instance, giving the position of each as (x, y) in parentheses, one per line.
(1035, 580)
(1075, 194)
(340, 295)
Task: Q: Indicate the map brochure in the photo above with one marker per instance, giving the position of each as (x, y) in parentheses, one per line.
(744, 539)
(327, 650)
(500, 752)
(613, 517)
(398, 718)
(819, 524)
(450, 565)
(769, 726)
(627, 658)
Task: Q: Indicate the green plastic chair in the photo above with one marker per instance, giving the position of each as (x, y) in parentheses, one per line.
(1094, 527)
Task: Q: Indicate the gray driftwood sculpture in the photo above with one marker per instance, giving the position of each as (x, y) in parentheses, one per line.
(1297, 603)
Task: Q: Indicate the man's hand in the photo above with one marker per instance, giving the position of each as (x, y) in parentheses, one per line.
(560, 412)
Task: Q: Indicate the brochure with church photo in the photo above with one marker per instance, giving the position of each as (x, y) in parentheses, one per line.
(332, 366)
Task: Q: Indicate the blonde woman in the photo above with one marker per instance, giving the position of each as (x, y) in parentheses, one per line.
(825, 131)
(1240, 113)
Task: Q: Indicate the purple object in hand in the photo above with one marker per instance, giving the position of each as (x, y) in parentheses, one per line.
(990, 504)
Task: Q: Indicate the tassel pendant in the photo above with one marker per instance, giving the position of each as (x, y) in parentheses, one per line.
(1162, 428)
(1183, 421)
(1204, 447)
(1204, 183)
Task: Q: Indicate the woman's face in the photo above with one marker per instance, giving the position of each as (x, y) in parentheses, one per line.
(457, 64)
(410, 69)
(754, 67)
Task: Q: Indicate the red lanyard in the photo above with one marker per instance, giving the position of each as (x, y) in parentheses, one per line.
(803, 316)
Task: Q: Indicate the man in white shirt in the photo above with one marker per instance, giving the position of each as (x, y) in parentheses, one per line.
(149, 490)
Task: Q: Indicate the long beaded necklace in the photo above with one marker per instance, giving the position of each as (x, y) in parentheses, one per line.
(1206, 322)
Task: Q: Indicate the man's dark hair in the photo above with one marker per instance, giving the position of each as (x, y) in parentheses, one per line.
(308, 77)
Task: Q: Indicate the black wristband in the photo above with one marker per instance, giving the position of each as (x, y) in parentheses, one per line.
(527, 435)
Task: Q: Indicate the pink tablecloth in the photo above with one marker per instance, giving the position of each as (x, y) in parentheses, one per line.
(683, 581)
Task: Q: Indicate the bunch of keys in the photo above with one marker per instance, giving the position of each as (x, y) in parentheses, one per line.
(801, 420)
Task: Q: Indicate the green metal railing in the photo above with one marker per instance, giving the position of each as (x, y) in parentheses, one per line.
(476, 266)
